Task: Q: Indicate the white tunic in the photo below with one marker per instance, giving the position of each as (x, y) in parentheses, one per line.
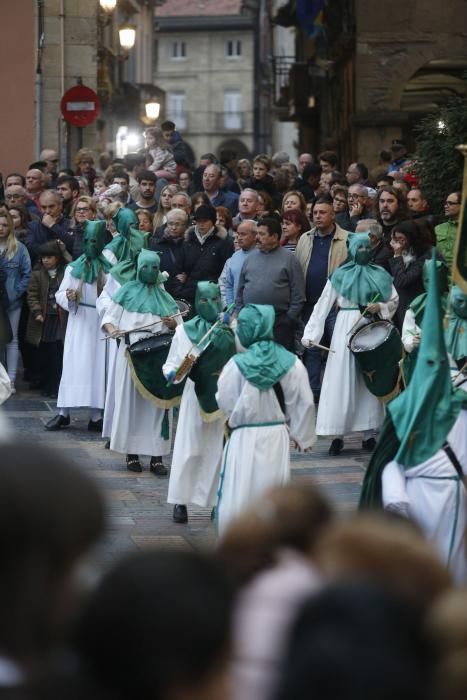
(102, 304)
(346, 405)
(409, 330)
(256, 458)
(137, 422)
(432, 495)
(196, 461)
(83, 375)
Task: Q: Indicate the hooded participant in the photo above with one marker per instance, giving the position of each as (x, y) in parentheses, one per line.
(455, 326)
(139, 425)
(418, 464)
(199, 440)
(121, 246)
(91, 264)
(347, 406)
(265, 394)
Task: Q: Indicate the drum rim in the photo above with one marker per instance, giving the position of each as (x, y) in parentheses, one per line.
(379, 322)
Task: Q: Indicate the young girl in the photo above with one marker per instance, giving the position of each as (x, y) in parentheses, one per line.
(163, 163)
(16, 265)
(44, 327)
(165, 201)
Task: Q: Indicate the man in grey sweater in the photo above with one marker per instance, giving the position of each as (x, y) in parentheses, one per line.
(272, 275)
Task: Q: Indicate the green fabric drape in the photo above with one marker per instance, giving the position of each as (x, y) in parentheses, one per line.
(125, 220)
(455, 332)
(208, 305)
(358, 280)
(371, 495)
(425, 412)
(89, 265)
(146, 294)
(125, 270)
(265, 362)
(419, 303)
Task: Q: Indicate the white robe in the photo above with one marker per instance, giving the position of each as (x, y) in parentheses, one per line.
(197, 455)
(256, 458)
(102, 304)
(137, 422)
(83, 375)
(428, 494)
(410, 329)
(346, 405)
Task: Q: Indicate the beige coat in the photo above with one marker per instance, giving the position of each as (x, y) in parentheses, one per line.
(337, 252)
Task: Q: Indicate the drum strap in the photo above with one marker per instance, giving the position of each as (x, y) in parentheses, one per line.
(451, 455)
(279, 395)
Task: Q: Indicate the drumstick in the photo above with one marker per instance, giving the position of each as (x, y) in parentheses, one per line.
(364, 312)
(321, 347)
(464, 366)
(142, 328)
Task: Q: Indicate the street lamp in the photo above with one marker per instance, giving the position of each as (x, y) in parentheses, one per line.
(108, 5)
(153, 109)
(127, 36)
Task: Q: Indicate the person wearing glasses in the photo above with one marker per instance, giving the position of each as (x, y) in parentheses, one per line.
(84, 208)
(358, 207)
(168, 244)
(446, 233)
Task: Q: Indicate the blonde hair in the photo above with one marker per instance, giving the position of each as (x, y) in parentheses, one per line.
(160, 213)
(110, 211)
(89, 201)
(12, 243)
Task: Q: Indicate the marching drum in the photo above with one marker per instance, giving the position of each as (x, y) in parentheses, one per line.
(146, 358)
(377, 348)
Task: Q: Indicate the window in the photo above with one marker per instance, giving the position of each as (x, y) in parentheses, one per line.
(233, 48)
(177, 50)
(232, 109)
(176, 109)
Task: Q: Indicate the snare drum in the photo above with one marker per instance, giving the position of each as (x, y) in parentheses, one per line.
(146, 358)
(377, 348)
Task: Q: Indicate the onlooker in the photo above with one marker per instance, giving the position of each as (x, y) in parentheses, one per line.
(52, 227)
(84, 208)
(212, 187)
(303, 160)
(84, 162)
(168, 244)
(265, 205)
(147, 189)
(165, 204)
(399, 154)
(328, 161)
(21, 220)
(357, 174)
(181, 200)
(163, 161)
(262, 180)
(34, 185)
(68, 188)
(185, 181)
(243, 171)
(339, 200)
(206, 247)
(293, 200)
(50, 157)
(358, 207)
(271, 275)
(410, 250)
(446, 233)
(176, 143)
(247, 206)
(15, 263)
(16, 194)
(309, 187)
(391, 208)
(122, 178)
(134, 164)
(246, 241)
(294, 224)
(224, 219)
(145, 220)
(319, 252)
(45, 329)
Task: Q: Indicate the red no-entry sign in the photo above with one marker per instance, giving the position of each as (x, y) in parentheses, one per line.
(80, 105)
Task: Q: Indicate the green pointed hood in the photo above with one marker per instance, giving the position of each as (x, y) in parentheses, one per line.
(455, 324)
(88, 266)
(126, 223)
(419, 303)
(208, 305)
(358, 280)
(125, 270)
(425, 412)
(265, 362)
(146, 294)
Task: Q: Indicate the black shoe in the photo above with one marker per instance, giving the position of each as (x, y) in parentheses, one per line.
(180, 514)
(58, 422)
(133, 464)
(107, 445)
(157, 468)
(95, 426)
(369, 444)
(337, 445)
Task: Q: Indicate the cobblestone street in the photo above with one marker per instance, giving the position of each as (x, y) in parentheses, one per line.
(139, 516)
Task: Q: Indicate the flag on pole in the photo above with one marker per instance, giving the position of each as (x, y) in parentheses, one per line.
(310, 14)
(459, 265)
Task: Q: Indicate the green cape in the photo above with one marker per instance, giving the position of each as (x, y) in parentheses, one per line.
(125, 270)
(455, 324)
(146, 295)
(265, 362)
(88, 266)
(419, 303)
(425, 412)
(208, 305)
(358, 280)
(371, 495)
(125, 221)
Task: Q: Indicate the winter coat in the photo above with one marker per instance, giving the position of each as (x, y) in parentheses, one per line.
(37, 302)
(18, 274)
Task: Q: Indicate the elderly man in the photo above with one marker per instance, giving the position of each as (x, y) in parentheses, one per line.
(16, 195)
(272, 275)
(446, 233)
(359, 207)
(357, 174)
(247, 206)
(246, 241)
(304, 159)
(181, 200)
(168, 244)
(320, 251)
(54, 226)
(50, 157)
(381, 252)
(212, 187)
(34, 185)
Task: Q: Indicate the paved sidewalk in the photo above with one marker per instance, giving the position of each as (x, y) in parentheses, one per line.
(139, 514)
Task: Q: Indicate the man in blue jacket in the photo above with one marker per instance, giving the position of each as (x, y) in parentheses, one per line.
(53, 226)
